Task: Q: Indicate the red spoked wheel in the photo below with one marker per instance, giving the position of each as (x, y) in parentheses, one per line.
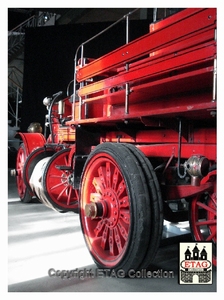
(58, 182)
(203, 215)
(24, 193)
(115, 209)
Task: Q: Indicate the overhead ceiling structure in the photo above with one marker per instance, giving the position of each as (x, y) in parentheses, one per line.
(73, 15)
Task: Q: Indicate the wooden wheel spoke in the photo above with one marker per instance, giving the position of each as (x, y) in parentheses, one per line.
(104, 238)
(111, 242)
(125, 216)
(211, 236)
(121, 188)
(94, 197)
(102, 176)
(117, 239)
(123, 203)
(56, 186)
(98, 185)
(206, 222)
(206, 207)
(115, 179)
(61, 193)
(213, 199)
(123, 231)
(108, 174)
(69, 195)
(99, 228)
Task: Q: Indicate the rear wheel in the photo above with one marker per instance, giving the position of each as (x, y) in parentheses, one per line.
(115, 207)
(203, 215)
(24, 193)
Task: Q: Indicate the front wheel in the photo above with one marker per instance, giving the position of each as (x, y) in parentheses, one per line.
(115, 208)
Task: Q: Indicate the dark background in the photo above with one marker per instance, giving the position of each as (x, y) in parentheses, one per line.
(49, 59)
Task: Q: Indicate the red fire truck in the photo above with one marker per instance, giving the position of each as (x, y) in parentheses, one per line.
(135, 144)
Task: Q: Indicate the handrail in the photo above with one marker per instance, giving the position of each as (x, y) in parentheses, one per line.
(81, 46)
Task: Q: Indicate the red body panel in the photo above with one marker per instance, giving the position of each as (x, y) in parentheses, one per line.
(194, 20)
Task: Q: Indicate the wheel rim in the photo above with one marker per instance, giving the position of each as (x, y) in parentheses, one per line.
(58, 182)
(204, 215)
(105, 210)
(20, 161)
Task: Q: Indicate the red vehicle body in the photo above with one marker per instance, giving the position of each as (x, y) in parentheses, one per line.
(135, 144)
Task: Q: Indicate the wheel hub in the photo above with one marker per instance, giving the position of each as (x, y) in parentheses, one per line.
(106, 207)
(94, 210)
(67, 179)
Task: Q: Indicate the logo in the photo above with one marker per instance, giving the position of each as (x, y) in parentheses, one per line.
(195, 263)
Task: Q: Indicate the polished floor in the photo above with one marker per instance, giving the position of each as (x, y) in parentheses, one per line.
(43, 244)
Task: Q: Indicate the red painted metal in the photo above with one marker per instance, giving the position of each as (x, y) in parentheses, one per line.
(32, 141)
(187, 150)
(147, 71)
(183, 191)
(195, 20)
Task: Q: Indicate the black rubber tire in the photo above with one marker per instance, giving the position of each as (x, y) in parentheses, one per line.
(139, 201)
(156, 205)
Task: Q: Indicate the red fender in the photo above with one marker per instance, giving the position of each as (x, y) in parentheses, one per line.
(32, 141)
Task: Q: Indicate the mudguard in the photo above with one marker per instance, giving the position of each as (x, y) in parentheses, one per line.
(31, 140)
